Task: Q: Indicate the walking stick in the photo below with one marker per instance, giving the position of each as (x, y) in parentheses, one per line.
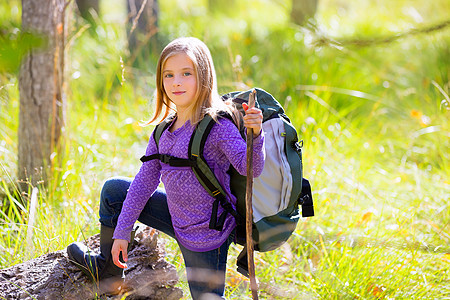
(248, 203)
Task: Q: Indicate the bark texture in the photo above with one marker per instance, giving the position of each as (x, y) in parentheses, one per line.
(41, 117)
(53, 277)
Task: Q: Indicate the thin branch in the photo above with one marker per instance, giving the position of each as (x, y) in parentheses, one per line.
(136, 19)
(327, 41)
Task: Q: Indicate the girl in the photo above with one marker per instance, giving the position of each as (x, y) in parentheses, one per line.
(186, 84)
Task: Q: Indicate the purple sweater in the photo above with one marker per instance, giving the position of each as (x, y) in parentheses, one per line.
(189, 204)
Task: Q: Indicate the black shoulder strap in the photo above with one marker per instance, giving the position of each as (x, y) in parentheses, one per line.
(206, 176)
(199, 166)
(196, 146)
(159, 129)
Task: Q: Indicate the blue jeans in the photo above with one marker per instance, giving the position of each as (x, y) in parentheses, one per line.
(205, 270)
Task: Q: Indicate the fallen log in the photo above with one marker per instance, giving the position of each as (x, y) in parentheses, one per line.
(52, 276)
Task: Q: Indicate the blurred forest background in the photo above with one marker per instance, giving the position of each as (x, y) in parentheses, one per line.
(365, 82)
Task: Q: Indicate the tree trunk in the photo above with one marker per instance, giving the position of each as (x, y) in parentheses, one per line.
(142, 29)
(303, 10)
(41, 116)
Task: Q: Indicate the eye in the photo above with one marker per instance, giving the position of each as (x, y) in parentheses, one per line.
(187, 74)
(168, 75)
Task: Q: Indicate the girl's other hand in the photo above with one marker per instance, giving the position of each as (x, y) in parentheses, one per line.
(120, 246)
(253, 119)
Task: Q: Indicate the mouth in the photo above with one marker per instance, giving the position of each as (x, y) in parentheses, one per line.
(178, 93)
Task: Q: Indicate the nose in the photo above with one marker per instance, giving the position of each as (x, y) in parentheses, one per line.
(177, 81)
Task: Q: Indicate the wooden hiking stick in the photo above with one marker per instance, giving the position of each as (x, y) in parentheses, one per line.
(248, 203)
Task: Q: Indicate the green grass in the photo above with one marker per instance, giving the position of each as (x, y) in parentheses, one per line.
(373, 120)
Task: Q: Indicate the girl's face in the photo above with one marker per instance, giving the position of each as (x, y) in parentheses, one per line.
(180, 80)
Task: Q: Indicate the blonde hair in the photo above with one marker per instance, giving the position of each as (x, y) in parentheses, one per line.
(207, 97)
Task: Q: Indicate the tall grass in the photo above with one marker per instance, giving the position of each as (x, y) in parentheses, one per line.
(373, 119)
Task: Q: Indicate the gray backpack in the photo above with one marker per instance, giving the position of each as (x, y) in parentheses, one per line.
(277, 192)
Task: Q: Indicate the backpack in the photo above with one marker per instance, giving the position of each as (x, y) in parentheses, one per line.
(276, 195)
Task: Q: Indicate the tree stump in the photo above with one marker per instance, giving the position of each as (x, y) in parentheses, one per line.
(52, 276)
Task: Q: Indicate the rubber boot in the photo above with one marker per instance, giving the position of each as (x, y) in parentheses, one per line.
(99, 267)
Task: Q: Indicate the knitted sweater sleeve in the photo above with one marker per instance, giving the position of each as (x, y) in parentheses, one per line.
(231, 143)
(140, 191)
